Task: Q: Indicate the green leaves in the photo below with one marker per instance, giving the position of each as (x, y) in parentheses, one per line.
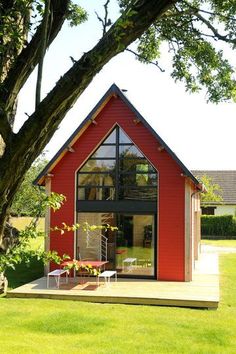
(213, 193)
(85, 226)
(193, 31)
(76, 15)
(29, 198)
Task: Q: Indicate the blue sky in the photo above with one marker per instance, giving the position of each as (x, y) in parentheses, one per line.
(201, 134)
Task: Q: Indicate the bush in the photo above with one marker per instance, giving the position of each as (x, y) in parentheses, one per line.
(222, 226)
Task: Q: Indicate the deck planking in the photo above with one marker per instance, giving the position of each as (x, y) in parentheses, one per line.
(201, 292)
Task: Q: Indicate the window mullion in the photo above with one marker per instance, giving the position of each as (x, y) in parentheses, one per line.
(117, 165)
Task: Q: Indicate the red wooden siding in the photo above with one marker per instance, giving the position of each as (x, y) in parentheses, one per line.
(171, 218)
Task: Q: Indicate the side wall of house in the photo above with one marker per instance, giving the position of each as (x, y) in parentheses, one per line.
(192, 227)
(171, 198)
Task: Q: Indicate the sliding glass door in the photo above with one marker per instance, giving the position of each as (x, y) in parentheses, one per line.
(130, 249)
(135, 244)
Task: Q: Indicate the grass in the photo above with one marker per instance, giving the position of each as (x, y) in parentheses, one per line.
(50, 326)
(23, 221)
(219, 243)
(25, 273)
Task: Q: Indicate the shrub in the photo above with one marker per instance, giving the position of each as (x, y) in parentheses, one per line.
(222, 225)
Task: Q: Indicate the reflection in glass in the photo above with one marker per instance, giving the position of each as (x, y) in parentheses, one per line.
(135, 244)
(121, 165)
(96, 193)
(98, 166)
(105, 151)
(136, 165)
(95, 179)
(111, 139)
(129, 151)
(141, 179)
(130, 250)
(124, 139)
(137, 193)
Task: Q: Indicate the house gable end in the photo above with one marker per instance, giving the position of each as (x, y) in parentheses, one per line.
(111, 96)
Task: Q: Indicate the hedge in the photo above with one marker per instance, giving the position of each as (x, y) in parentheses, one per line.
(223, 226)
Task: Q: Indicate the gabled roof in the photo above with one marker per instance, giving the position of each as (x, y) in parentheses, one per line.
(113, 91)
(225, 179)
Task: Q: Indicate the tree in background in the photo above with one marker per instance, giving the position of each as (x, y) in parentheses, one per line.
(213, 191)
(28, 199)
(192, 30)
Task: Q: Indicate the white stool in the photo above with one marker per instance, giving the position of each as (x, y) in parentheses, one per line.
(128, 264)
(57, 275)
(107, 276)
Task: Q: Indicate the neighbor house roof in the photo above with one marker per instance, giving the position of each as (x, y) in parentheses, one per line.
(225, 179)
(112, 91)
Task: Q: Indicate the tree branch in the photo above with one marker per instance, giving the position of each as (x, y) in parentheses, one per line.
(29, 56)
(39, 128)
(5, 127)
(43, 46)
(214, 31)
(147, 60)
(106, 22)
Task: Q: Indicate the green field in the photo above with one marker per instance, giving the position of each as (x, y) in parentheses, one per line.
(219, 243)
(23, 221)
(53, 326)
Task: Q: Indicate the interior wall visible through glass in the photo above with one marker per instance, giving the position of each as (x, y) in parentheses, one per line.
(130, 249)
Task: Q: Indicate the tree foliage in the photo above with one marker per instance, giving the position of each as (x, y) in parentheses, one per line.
(213, 191)
(28, 199)
(192, 29)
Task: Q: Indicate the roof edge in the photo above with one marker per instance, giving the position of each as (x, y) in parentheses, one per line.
(115, 90)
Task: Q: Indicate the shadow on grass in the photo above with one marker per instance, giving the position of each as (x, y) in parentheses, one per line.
(25, 273)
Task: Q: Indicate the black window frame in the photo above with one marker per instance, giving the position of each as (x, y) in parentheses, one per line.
(117, 173)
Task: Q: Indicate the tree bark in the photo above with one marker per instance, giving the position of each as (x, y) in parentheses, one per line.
(22, 148)
(28, 59)
(3, 283)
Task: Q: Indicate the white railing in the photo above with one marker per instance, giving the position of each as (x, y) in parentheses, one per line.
(97, 242)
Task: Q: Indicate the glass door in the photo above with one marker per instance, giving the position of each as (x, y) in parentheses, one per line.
(130, 249)
(135, 245)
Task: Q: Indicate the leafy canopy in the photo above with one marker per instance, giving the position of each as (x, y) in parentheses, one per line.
(193, 30)
(28, 199)
(214, 191)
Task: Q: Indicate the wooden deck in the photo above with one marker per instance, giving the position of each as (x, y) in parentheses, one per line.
(202, 292)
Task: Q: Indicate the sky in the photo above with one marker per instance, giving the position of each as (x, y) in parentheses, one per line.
(202, 135)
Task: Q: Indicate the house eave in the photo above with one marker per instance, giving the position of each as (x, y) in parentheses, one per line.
(112, 91)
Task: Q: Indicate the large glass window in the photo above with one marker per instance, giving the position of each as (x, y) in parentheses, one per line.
(117, 170)
(98, 166)
(130, 249)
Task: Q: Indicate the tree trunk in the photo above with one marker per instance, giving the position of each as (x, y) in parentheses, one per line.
(3, 283)
(22, 148)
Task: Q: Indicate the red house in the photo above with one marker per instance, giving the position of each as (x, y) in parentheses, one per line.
(116, 170)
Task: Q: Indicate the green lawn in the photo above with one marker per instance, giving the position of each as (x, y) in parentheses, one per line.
(23, 221)
(219, 243)
(53, 326)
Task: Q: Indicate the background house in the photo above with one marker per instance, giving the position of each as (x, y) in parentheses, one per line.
(116, 169)
(227, 182)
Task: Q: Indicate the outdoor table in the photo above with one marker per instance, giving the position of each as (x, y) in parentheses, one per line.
(99, 265)
(94, 264)
(120, 251)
